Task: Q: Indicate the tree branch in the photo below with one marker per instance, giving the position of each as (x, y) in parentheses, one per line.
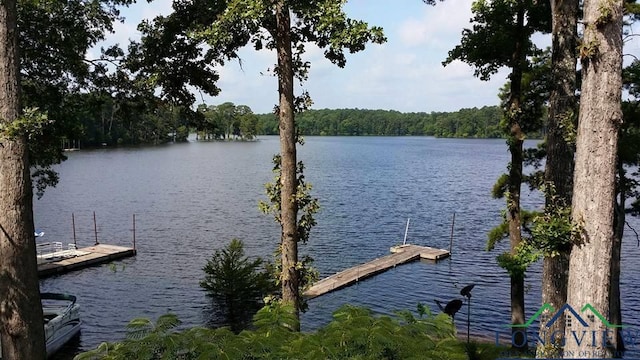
(634, 231)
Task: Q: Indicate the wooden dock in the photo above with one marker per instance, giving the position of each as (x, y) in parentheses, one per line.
(399, 255)
(85, 257)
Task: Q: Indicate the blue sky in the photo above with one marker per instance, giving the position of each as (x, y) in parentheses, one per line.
(404, 74)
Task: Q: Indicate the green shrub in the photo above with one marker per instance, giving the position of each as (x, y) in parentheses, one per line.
(237, 284)
(354, 333)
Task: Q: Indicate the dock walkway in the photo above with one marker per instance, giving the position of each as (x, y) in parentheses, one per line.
(82, 258)
(400, 255)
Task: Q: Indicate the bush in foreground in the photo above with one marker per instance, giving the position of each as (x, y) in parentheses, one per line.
(354, 333)
(237, 284)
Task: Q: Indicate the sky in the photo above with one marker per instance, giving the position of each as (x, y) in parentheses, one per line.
(404, 74)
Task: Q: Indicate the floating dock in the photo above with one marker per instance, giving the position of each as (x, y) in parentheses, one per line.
(70, 260)
(400, 255)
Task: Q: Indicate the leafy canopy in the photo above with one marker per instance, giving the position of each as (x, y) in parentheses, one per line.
(322, 22)
(490, 44)
(353, 333)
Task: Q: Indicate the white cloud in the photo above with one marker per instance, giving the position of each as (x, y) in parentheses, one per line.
(404, 74)
(438, 25)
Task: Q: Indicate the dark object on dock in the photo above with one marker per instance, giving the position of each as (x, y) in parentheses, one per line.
(401, 254)
(85, 257)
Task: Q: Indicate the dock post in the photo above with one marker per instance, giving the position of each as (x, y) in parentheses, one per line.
(134, 231)
(406, 230)
(95, 228)
(453, 222)
(73, 225)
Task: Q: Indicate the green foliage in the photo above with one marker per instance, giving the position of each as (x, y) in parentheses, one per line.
(276, 316)
(465, 123)
(237, 283)
(497, 234)
(353, 333)
(628, 181)
(501, 37)
(54, 38)
(500, 187)
(141, 327)
(491, 43)
(323, 23)
(101, 119)
(553, 232)
(516, 264)
(533, 98)
(525, 254)
(549, 233)
(605, 10)
(227, 121)
(169, 59)
(307, 206)
(201, 34)
(33, 125)
(588, 50)
(567, 123)
(501, 231)
(30, 125)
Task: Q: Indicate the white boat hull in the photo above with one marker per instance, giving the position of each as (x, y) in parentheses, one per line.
(60, 333)
(61, 320)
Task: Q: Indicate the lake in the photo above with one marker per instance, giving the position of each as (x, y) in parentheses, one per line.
(191, 199)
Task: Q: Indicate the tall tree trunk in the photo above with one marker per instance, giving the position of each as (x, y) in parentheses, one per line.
(288, 181)
(515, 234)
(559, 165)
(21, 324)
(615, 310)
(516, 141)
(594, 181)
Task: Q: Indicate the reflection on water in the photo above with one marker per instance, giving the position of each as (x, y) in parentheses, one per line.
(190, 199)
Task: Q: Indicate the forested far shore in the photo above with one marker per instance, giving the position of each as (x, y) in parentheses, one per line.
(105, 121)
(466, 123)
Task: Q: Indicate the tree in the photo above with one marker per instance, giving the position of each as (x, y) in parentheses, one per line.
(211, 126)
(501, 36)
(248, 122)
(268, 24)
(478, 123)
(626, 188)
(559, 163)
(237, 283)
(595, 165)
(55, 38)
(308, 207)
(21, 320)
(226, 114)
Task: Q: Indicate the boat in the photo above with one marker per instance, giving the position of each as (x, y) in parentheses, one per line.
(61, 320)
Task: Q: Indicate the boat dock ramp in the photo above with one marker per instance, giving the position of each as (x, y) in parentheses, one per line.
(400, 254)
(70, 259)
(53, 258)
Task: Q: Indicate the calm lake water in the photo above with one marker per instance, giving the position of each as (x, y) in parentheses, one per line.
(191, 199)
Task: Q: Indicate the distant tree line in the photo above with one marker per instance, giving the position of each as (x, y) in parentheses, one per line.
(465, 123)
(103, 120)
(225, 122)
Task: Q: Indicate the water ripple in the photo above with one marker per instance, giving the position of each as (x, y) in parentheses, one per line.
(191, 199)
